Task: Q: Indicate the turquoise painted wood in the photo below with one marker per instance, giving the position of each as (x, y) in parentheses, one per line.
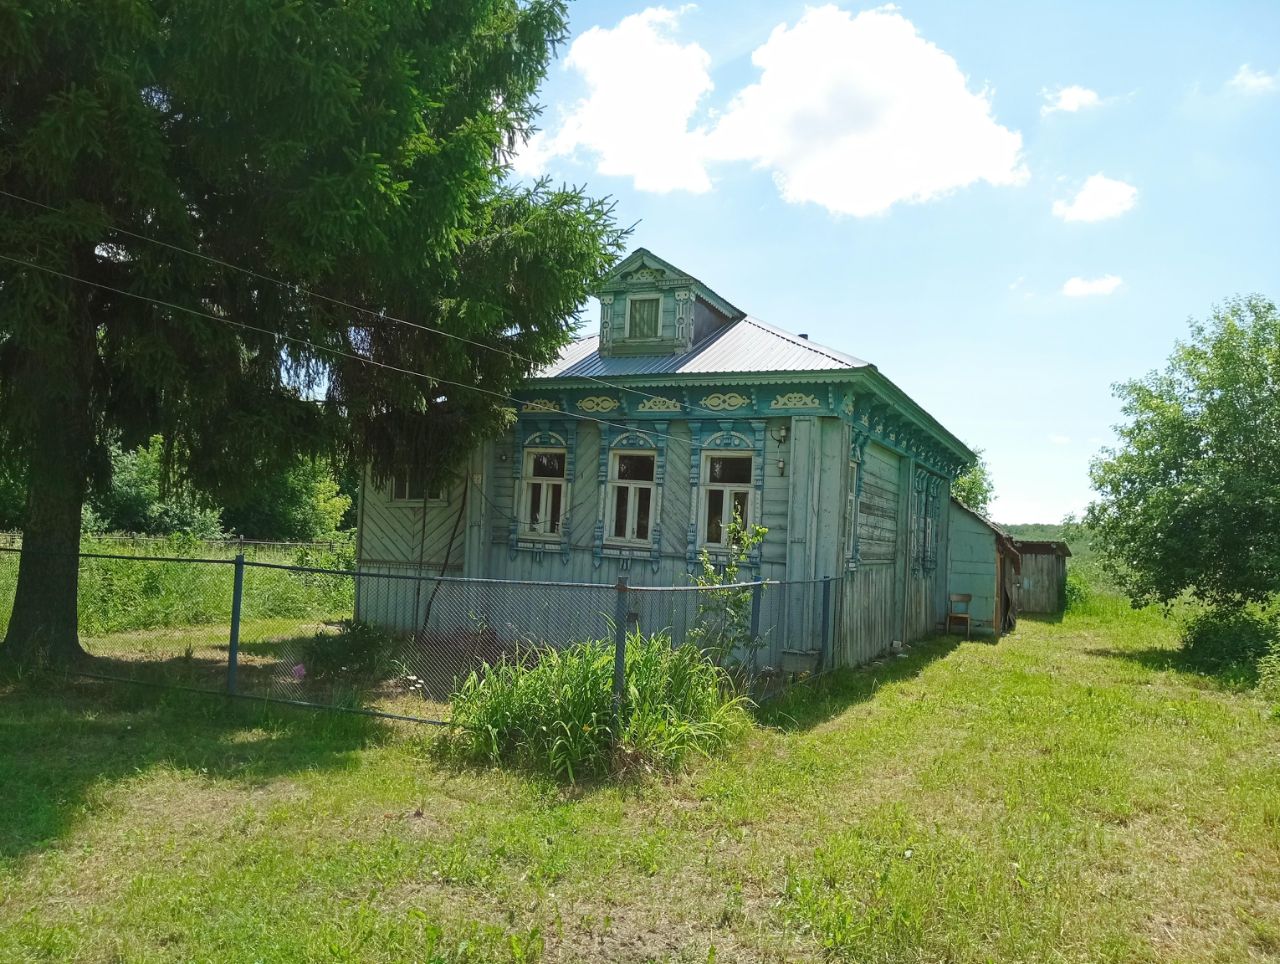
(972, 566)
(847, 474)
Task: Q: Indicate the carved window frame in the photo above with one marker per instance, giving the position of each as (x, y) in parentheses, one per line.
(631, 437)
(533, 435)
(643, 296)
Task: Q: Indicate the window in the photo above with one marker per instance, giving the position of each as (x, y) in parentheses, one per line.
(643, 317)
(411, 486)
(631, 496)
(726, 494)
(543, 504)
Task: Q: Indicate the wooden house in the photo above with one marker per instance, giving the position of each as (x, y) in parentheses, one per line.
(983, 565)
(1044, 575)
(630, 455)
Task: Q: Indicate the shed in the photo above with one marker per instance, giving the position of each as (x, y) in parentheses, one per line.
(1044, 575)
(983, 564)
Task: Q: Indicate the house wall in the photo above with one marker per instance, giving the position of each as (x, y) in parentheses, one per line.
(971, 567)
(886, 596)
(1044, 583)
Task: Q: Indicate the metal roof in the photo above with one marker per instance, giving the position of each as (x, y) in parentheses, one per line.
(746, 345)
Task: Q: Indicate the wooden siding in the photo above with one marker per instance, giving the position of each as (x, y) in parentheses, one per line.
(878, 520)
(1044, 583)
(866, 620)
(971, 567)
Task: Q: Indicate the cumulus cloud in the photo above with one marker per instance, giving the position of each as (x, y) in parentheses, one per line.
(1069, 99)
(1082, 287)
(1100, 198)
(854, 113)
(858, 113)
(1250, 81)
(643, 87)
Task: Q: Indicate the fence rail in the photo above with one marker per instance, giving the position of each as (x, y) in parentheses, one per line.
(398, 643)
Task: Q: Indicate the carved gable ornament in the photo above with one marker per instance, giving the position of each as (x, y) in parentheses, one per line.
(795, 400)
(725, 401)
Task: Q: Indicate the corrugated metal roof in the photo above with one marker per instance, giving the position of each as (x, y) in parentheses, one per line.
(747, 345)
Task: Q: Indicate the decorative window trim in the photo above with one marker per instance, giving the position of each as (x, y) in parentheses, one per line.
(632, 299)
(528, 480)
(630, 436)
(545, 434)
(613, 484)
(733, 436)
(728, 488)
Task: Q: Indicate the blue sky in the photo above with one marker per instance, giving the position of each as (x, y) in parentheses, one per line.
(1006, 207)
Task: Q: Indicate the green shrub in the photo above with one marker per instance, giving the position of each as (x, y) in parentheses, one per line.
(551, 709)
(357, 653)
(1078, 590)
(1223, 636)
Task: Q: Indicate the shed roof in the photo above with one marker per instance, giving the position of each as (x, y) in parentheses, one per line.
(1003, 539)
(1042, 547)
(745, 345)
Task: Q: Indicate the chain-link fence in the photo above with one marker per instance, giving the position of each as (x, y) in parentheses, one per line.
(398, 642)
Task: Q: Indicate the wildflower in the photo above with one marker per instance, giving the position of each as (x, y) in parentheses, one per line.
(299, 672)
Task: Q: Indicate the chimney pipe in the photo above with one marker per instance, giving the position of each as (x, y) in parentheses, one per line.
(805, 336)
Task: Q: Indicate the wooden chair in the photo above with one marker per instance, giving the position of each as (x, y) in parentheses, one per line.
(958, 610)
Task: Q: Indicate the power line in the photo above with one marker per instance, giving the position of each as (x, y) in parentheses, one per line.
(325, 348)
(382, 315)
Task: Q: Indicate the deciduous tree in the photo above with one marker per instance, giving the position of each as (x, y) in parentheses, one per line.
(1189, 501)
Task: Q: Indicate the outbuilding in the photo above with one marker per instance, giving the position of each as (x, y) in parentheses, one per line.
(1044, 575)
(983, 565)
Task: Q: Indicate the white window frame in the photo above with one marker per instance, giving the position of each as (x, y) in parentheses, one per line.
(633, 502)
(527, 479)
(631, 299)
(706, 487)
(438, 497)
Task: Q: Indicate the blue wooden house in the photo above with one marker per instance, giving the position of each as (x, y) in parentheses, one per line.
(631, 454)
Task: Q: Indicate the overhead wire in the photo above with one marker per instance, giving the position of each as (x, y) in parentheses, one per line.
(436, 380)
(381, 315)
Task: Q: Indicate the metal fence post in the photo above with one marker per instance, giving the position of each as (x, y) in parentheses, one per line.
(233, 647)
(826, 623)
(619, 652)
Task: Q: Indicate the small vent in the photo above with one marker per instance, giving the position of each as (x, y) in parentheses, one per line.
(805, 336)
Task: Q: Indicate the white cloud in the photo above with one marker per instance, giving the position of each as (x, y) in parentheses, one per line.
(1250, 81)
(1070, 99)
(1056, 439)
(1082, 287)
(854, 113)
(1100, 198)
(858, 113)
(643, 88)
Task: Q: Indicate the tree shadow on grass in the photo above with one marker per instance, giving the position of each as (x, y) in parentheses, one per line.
(1232, 675)
(813, 702)
(63, 738)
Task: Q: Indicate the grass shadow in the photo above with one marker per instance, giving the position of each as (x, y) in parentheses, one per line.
(813, 702)
(1229, 674)
(63, 739)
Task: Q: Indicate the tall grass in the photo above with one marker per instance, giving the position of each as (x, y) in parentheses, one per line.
(127, 594)
(552, 709)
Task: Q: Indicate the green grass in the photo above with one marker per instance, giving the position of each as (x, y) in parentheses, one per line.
(1073, 793)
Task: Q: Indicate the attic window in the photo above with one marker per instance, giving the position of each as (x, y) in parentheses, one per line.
(642, 317)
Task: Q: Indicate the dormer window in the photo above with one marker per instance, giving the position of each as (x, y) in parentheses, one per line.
(643, 316)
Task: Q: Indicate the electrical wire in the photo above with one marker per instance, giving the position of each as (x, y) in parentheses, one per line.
(324, 348)
(381, 315)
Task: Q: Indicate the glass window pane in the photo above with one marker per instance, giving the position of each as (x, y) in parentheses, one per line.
(635, 468)
(535, 505)
(644, 318)
(417, 487)
(740, 507)
(398, 487)
(548, 465)
(554, 514)
(642, 512)
(715, 516)
(620, 494)
(731, 468)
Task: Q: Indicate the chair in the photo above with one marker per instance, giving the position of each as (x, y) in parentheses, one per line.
(958, 610)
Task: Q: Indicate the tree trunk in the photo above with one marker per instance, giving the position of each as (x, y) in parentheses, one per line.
(43, 628)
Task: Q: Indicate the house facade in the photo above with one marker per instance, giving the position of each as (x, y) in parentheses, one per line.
(630, 456)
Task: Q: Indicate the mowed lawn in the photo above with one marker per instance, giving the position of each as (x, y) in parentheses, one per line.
(1071, 793)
